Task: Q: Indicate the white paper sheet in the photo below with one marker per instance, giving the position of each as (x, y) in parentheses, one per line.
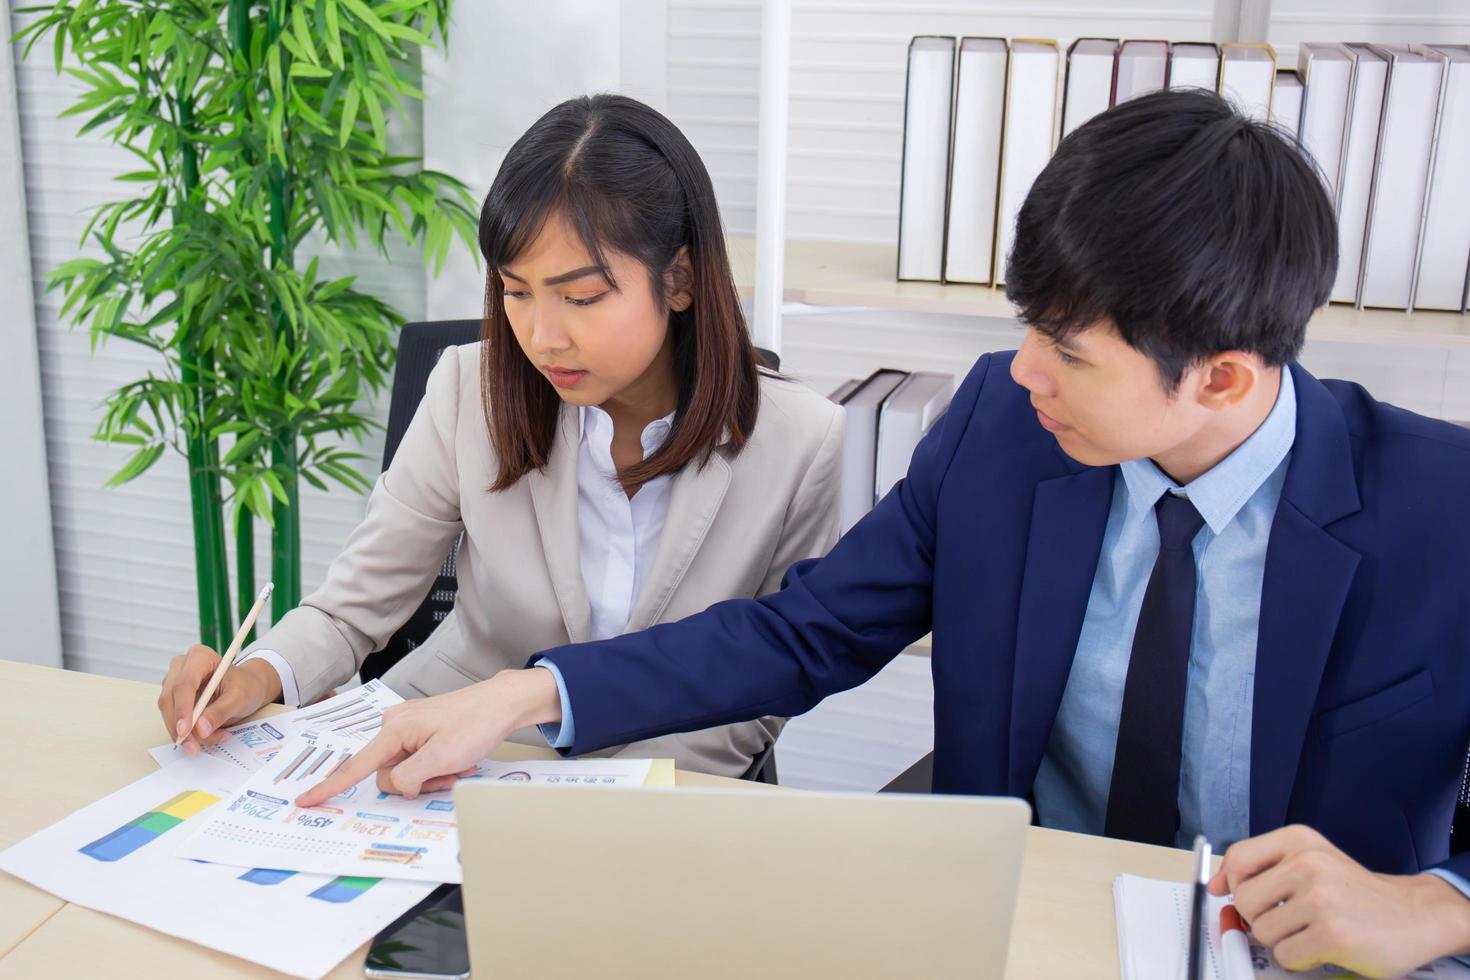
(357, 714)
(1152, 930)
(118, 856)
(363, 831)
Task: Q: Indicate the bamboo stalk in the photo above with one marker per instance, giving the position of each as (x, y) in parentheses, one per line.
(245, 566)
(239, 29)
(211, 570)
(286, 516)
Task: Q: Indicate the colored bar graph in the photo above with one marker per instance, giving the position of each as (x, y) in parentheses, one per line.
(295, 764)
(316, 765)
(266, 876)
(149, 827)
(344, 889)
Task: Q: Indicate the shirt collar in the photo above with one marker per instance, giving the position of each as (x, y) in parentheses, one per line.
(1220, 492)
(594, 423)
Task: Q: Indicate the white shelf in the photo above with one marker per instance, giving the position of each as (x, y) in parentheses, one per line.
(843, 274)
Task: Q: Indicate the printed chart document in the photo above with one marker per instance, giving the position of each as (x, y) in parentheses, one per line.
(364, 831)
(1152, 940)
(356, 714)
(118, 856)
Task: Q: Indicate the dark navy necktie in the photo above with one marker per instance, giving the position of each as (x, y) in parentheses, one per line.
(1143, 800)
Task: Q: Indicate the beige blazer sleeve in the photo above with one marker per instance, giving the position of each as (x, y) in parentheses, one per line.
(390, 559)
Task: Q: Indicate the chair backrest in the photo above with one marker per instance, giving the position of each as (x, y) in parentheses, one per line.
(419, 347)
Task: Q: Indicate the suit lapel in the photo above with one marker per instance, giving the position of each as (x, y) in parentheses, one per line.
(1068, 517)
(554, 499)
(1307, 577)
(694, 500)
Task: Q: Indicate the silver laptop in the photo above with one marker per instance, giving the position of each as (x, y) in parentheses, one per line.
(649, 883)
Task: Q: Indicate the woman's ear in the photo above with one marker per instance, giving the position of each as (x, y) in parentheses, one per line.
(679, 281)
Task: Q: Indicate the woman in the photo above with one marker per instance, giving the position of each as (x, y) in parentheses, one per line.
(610, 450)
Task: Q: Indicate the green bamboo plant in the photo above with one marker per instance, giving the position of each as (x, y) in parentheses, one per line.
(260, 125)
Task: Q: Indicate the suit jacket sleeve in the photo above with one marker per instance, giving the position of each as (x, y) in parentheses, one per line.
(835, 622)
(391, 558)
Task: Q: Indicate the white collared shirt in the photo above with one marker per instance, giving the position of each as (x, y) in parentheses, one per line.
(617, 536)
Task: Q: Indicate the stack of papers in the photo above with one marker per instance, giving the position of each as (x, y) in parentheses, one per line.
(212, 849)
(1153, 927)
(364, 831)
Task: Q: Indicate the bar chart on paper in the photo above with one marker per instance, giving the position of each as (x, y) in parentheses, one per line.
(356, 714)
(150, 826)
(341, 889)
(119, 855)
(312, 764)
(364, 832)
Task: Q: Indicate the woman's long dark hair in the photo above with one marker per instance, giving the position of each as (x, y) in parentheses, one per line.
(628, 181)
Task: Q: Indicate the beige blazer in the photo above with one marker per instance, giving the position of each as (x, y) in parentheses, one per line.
(733, 528)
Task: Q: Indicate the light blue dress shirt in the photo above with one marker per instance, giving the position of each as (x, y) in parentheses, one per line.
(1237, 498)
(559, 736)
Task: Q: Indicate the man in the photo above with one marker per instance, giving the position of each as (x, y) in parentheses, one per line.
(1176, 584)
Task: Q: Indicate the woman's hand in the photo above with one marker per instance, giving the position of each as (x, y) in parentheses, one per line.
(243, 691)
(427, 744)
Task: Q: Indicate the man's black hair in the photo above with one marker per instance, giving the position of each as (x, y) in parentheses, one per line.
(1191, 228)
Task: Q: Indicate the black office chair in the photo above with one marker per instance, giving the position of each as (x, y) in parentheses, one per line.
(419, 347)
(917, 778)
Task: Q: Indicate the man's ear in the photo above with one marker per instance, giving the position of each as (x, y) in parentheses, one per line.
(1228, 377)
(679, 281)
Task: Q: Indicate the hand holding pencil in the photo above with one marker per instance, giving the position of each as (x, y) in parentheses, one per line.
(203, 692)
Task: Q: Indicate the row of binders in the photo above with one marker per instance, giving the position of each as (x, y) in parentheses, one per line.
(1388, 127)
(888, 412)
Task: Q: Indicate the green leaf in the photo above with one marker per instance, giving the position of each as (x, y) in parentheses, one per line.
(334, 35)
(303, 69)
(273, 68)
(349, 115)
(303, 33)
(274, 483)
(361, 12)
(136, 465)
(375, 113)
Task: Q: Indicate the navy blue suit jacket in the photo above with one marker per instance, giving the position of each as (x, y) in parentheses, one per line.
(1362, 686)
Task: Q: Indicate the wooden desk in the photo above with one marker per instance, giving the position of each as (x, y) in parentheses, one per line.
(67, 739)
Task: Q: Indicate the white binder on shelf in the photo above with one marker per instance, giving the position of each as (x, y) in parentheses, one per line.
(1092, 67)
(1286, 103)
(1194, 64)
(1444, 256)
(1355, 176)
(969, 251)
(906, 415)
(1029, 137)
(924, 185)
(1247, 76)
(1143, 67)
(1327, 76)
(1400, 176)
(860, 443)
